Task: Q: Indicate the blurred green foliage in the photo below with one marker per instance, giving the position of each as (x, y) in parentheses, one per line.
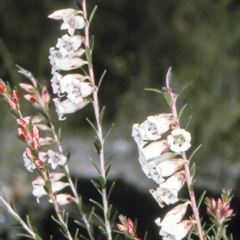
(136, 41)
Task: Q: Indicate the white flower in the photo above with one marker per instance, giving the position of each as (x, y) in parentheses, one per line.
(63, 199)
(67, 107)
(154, 150)
(29, 164)
(174, 216)
(179, 140)
(68, 45)
(177, 231)
(56, 83)
(39, 191)
(170, 166)
(56, 159)
(53, 176)
(67, 64)
(78, 90)
(72, 22)
(153, 128)
(167, 192)
(60, 14)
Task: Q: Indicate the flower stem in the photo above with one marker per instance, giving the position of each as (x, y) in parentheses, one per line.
(18, 219)
(99, 126)
(188, 176)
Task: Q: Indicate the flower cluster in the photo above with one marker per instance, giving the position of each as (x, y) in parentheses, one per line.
(72, 88)
(127, 227)
(158, 156)
(161, 146)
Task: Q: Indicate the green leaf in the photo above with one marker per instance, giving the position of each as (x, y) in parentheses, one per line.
(117, 236)
(76, 234)
(168, 98)
(108, 170)
(92, 40)
(88, 55)
(192, 170)
(194, 152)
(102, 182)
(108, 131)
(92, 125)
(66, 218)
(101, 115)
(95, 165)
(55, 220)
(99, 218)
(25, 235)
(188, 122)
(15, 113)
(80, 224)
(59, 134)
(192, 186)
(91, 214)
(181, 111)
(113, 220)
(98, 145)
(145, 236)
(48, 186)
(101, 78)
(110, 190)
(103, 230)
(97, 204)
(92, 14)
(109, 212)
(183, 87)
(200, 199)
(153, 90)
(109, 159)
(29, 222)
(96, 185)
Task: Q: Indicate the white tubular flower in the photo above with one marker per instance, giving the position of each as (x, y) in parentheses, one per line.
(67, 80)
(60, 14)
(39, 191)
(174, 216)
(30, 166)
(67, 107)
(56, 159)
(72, 22)
(79, 90)
(178, 231)
(63, 199)
(167, 192)
(54, 54)
(68, 45)
(153, 172)
(179, 140)
(153, 128)
(170, 166)
(154, 150)
(53, 177)
(67, 64)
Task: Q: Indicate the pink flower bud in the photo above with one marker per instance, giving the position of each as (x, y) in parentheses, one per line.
(12, 104)
(121, 228)
(15, 96)
(27, 87)
(22, 123)
(2, 88)
(39, 164)
(23, 134)
(45, 95)
(30, 98)
(63, 199)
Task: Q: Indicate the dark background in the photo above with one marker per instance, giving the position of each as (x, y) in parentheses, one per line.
(137, 41)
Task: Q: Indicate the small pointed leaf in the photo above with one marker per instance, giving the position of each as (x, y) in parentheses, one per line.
(110, 190)
(181, 111)
(88, 55)
(200, 199)
(92, 14)
(192, 186)
(153, 90)
(108, 131)
(95, 165)
(192, 170)
(92, 125)
(184, 87)
(96, 185)
(102, 182)
(101, 78)
(101, 116)
(194, 152)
